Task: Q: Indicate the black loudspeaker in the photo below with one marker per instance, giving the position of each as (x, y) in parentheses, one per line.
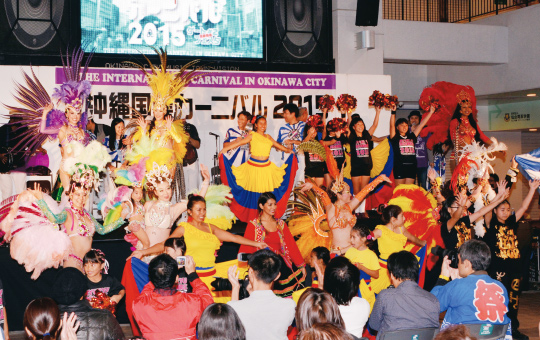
(37, 28)
(367, 12)
(299, 32)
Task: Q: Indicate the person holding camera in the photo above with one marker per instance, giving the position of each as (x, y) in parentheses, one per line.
(406, 306)
(264, 315)
(161, 311)
(472, 296)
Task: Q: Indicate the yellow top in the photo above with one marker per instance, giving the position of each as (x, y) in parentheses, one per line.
(365, 257)
(390, 242)
(260, 145)
(200, 245)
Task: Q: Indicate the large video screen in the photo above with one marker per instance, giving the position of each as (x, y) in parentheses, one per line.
(198, 28)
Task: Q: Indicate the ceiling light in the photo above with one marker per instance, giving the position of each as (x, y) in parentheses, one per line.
(533, 130)
(531, 94)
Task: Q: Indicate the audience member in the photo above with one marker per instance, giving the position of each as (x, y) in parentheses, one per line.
(317, 306)
(264, 315)
(456, 332)
(96, 324)
(342, 281)
(407, 306)
(324, 331)
(220, 322)
(42, 321)
(161, 311)
(472, 296)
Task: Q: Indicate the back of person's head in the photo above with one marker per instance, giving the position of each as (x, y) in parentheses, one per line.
(219, 321)
(42, 319)
(403, 265)
(341, 280)
(163, 271)
(389, 212)
(69, 286)
(317, 306)
(292, 108)
(322, 253)
(455, 332)
(176, 243)
(265, 265)
(324, 331)
(477, 253)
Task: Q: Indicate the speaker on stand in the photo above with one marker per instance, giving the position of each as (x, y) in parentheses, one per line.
(300, 32)
(35, 28)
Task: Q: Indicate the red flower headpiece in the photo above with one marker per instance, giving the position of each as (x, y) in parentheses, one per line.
(315, 122)
(337, 125)
(346, 102)
(255, 118)
(327, 102)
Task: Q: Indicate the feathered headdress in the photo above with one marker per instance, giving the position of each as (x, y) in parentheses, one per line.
(86, 175)
(339, 183)
(134, 176)
(85, 162)
(158, 174)
(475, 163)
(165, 86)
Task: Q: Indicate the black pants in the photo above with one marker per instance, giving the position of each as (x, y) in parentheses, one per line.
(512, 282)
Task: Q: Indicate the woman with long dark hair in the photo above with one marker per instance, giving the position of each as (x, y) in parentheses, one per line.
(115, 141)
(275, 233)
(361, 143)
(464, 129)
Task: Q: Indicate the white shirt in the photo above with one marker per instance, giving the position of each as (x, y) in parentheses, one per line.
(265, 315)
(355, 315)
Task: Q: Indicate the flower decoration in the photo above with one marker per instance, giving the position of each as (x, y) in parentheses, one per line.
(327, 102)
(315, 122)
(337, 125)
(346, 102)
(87, 175)
(254, 119)
(157, 175)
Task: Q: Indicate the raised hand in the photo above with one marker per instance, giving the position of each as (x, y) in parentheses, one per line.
(143, 123)
(70, 325)
(306, 187)
(232, 275)
(38, 194)
(432, 174)
(190, 265)
(169, 121)
(204, 172)
(501, 187)
(514, 163)
(533, 184)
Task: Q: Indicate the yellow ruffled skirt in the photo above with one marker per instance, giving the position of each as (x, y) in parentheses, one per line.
(259, 176)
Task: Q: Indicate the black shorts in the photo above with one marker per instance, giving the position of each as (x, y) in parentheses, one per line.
(361, 170)
(339, 162)
(402, 171)
(315, 170)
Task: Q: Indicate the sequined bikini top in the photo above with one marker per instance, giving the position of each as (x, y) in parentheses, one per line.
(159, 215)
